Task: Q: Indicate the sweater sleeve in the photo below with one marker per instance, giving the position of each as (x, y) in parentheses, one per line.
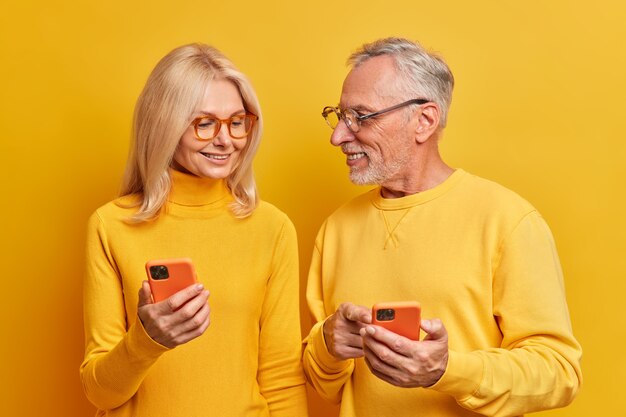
(280, 372)
(537, 366)
(327, 374)
(117, 357)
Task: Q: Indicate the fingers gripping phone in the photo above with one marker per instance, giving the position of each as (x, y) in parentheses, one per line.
(168, 276)
(401, 317)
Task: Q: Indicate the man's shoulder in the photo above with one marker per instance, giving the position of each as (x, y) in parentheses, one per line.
(356, 206)
(350, 215)
(494, 196)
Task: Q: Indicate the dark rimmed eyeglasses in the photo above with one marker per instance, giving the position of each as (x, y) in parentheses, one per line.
(353, 119)
(239, 126)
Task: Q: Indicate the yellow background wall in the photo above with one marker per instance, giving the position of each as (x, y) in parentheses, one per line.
(539, 107)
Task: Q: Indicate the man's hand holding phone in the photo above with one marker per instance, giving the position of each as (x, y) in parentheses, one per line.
(404, 362)
(341, 331)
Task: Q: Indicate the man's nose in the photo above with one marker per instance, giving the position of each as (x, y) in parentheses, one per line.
(341, 134)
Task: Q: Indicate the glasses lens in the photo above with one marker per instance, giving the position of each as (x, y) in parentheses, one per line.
(351, 117)
(206, 127)
(331, 116)
(240, 125)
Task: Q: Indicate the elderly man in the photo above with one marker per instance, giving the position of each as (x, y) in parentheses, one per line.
(479, 259)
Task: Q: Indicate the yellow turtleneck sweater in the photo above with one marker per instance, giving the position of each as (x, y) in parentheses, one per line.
(478, 257)
(247, 363)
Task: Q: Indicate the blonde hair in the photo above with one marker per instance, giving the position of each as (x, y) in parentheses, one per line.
(163, 112)
(423, 74)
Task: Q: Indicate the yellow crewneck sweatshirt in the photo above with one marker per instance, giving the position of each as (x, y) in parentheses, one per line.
(247, 363)
(478, 257)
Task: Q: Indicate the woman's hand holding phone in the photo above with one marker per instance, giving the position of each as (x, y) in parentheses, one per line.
(172, 307)
(177, 319)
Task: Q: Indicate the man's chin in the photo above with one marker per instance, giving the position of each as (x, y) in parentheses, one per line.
(362, 178)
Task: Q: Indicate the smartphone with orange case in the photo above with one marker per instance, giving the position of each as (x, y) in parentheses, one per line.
(400, 317)
(168, 276)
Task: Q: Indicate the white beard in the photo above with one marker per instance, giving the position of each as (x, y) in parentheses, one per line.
(377, 172)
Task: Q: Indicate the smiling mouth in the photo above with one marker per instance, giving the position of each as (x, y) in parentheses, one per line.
(214, 156)
(353, 156)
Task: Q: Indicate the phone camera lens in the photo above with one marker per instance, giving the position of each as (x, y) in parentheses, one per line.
(159, 272)
(385, 314)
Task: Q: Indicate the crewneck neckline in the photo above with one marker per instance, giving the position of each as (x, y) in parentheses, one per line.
(193, 191)
(419, 198)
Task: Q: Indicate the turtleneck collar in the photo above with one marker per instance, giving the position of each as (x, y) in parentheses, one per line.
(418, 198)
(190, 190)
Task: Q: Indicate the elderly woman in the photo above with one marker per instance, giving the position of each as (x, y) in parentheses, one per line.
(189, 191)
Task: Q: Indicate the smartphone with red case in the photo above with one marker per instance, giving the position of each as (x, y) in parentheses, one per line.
(401, 317)
(168, 276)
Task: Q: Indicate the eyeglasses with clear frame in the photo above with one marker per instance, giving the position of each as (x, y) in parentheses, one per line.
(353, 119)
(239, 126)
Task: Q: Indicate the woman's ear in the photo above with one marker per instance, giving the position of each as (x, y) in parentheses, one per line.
(428, 122)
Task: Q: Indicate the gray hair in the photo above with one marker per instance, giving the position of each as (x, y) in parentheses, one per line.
(423, 74)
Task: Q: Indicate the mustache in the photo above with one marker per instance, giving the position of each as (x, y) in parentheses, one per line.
(351, 148)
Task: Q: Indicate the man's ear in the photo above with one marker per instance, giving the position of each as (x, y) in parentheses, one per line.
(428, 122)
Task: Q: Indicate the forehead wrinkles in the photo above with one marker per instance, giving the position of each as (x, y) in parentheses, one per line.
(371, 100)
(372, 84)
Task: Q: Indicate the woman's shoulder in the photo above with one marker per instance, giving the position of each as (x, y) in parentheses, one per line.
(118, 209)
(268, 216)
(269, 212)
